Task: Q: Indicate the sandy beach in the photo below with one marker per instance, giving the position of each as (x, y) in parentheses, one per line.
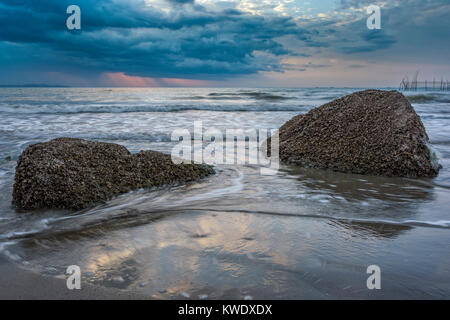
(20, 284)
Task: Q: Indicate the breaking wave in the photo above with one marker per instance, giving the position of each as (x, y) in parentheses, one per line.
(428, 98)
(247, 94)
(76, 109)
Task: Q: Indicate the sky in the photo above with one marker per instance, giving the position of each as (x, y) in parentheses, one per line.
(223, 43)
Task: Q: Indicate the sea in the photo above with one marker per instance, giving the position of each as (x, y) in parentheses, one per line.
(299, 233)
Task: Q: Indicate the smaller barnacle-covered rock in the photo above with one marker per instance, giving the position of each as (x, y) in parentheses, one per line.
(74, 173)
(371, 132)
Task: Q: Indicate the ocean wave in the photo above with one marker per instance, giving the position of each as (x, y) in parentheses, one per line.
(248, 94)
(131, 217)
(428, 98)
(420, 98)
(444, 224)
(330, 98)
(101, 136)
(124, 136)
(71, 109)
(237, 96)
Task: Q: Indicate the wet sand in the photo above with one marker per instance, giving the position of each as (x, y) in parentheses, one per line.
(17, 283)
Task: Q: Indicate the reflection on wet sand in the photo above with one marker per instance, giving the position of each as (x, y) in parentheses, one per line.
(225, 255)
(374, 229)
(362, 187)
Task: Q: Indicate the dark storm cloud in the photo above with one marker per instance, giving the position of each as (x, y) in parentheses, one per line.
(139, 39)
(181, 38)
(180, 1)
(374, 40)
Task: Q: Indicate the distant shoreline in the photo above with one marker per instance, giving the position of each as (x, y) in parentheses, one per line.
(32, 86)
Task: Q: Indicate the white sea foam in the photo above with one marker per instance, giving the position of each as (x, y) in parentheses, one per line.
(130, 108)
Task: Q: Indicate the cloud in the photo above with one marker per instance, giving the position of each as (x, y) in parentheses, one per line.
(374, 40)
(213, 40)
(356, 66)
(181, 1)
(148, 40)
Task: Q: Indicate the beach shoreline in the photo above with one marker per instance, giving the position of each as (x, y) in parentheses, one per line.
(304, 233)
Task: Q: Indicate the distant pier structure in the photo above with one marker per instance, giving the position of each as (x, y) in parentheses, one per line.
(414, 84)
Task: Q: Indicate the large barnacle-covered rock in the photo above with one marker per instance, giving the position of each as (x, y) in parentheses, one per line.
(371, 132)
(74, 173)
